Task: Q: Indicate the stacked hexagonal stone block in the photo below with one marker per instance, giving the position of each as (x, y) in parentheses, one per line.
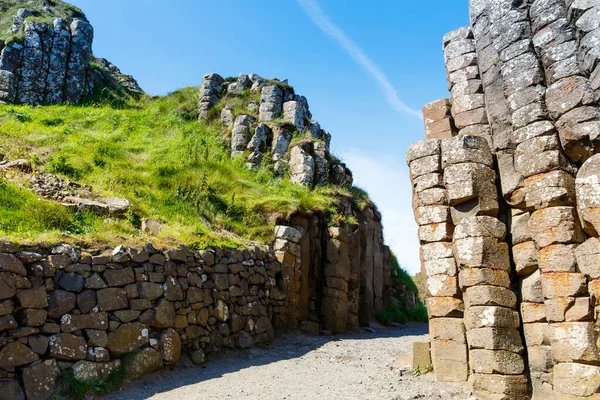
(432, 213)
(524, 210)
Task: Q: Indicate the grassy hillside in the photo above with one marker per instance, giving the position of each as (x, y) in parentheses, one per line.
(155, 153)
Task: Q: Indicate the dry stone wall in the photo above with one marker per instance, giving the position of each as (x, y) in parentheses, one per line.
(69, 309)
(505, 192)
(94, 312)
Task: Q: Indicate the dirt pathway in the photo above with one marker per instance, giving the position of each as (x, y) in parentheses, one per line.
(365, 366)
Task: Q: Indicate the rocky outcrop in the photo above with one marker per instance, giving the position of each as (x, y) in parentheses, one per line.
(338, 278)
(271, 116)
(505, 192)
(271, 103)
(210, 91)
(50, 66)
(126, 82)
(50, 63)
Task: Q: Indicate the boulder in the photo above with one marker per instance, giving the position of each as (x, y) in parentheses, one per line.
(32, 298)
(127, 338)
(85, 371)
(71, 282)
(67, 347)
(72, 323)
(40, 380)
(165, 315)
(10, 389)
(143, 362)
(10, 263)
(170, 346)
(60, 302)
(119, 277)
(112, 299)
(15, 355)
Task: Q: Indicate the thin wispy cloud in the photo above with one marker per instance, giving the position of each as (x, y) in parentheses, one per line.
(319, 18)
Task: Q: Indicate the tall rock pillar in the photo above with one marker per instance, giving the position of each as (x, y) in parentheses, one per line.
(444, 300)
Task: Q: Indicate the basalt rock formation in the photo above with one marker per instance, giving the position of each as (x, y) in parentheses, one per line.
(275, 123)
(93, 312)
(506, 191)
(48, 59)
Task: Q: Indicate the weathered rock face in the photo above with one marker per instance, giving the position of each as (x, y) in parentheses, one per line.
(210, 91)
(335, 277)
(50, 63)
(523, 78)
(270, 127)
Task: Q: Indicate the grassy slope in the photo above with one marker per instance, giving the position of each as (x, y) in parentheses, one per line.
(156, 154)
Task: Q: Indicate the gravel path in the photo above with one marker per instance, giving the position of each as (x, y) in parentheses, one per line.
(365, 366)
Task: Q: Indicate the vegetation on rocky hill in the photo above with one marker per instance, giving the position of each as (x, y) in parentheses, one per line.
(41, 11)
(406, 309)
(155, 153)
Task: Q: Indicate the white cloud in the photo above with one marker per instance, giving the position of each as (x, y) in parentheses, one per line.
(388, 184)
(319, 18)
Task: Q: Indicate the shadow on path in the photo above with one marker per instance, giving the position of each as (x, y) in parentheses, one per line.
(288, 345)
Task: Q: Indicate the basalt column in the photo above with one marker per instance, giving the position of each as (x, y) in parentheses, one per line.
(569, 98)
(481, 253)
(549, 185)
(588, 262)
(524, 76)
(288, 253)
(210, 92)
(584, 15)
(334, 308)
(444, 300)
(464, 83)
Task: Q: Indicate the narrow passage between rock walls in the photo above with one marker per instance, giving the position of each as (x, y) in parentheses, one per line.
(362, 366)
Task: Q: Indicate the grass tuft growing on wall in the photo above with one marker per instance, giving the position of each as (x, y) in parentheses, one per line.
(74, 389)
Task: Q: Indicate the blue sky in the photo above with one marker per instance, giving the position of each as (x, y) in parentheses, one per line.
(364, 68)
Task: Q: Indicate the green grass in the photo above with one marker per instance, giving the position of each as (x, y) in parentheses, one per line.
(73, 389)
(398, 313)
(400, 276)
(23, 212)
(9, 8)
(401, 315)
(155, 153)
(418, 313)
